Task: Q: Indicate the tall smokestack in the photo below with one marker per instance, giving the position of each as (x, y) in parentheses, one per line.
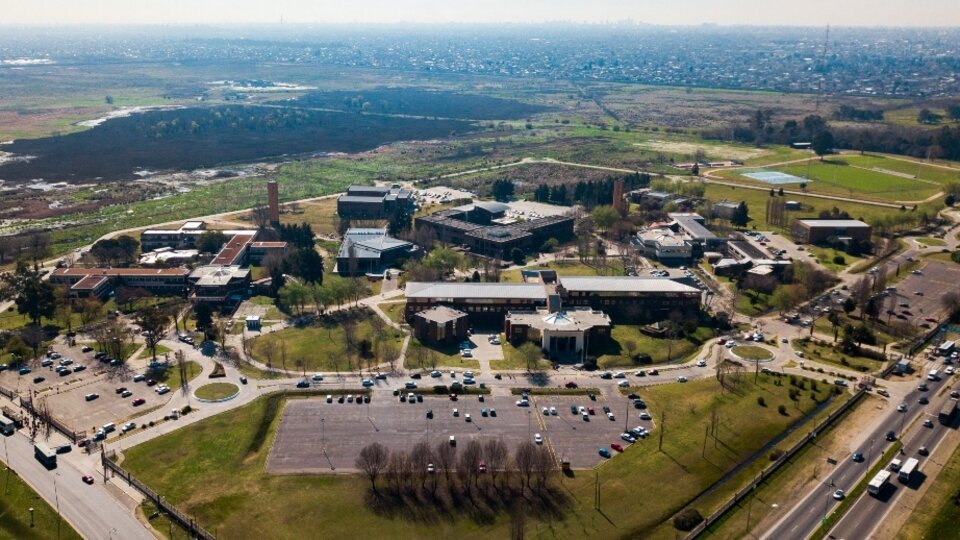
(273, 197)
(618, 195)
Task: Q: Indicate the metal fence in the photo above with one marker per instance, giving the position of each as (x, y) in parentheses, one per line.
(773, 467)
(67, 431)
(185, 521)
(10, 394)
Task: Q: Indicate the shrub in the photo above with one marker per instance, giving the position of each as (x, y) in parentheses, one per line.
(838, 259)
(776, 454)
(687, 519)
(782, 409)
(761, 402)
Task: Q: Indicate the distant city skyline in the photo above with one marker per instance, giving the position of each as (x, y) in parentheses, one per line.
(938, 13)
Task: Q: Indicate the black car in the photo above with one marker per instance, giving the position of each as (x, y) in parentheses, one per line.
(633, 396)
(396, 392)
(341, 399)
(366, 399)
(303, 384)
(639, 404)
(419, 397)
(429, 413)
(891, 436)
(606, 409)
(415, 376)
(38, 380)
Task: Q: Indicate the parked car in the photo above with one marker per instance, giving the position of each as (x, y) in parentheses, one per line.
(645, 416)
(91, 396)
(604, 453)
(139, 401)
(538, 438)
(87, 479)
(616, 446)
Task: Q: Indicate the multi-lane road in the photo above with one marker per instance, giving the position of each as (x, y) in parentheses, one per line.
(91, 509)
(807, 515)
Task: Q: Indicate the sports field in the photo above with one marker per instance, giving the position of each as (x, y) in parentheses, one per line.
(872, 177)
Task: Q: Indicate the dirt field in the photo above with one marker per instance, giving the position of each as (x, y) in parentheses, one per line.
(716, 151)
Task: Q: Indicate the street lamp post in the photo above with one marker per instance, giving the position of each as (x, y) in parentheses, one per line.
(323, 433)
(529, 417)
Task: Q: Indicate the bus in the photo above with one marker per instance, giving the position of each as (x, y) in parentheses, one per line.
(946, 413)
(879, 481)
(906, 472)
(45, 455)
(7, 426)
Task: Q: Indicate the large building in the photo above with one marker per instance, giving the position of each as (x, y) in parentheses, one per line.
(372, 251)
(101, 282)
(220, 285)
(440, 325)
(482, 228)
(821, 231)
(626, 299)
(373, 202)
(561, 335)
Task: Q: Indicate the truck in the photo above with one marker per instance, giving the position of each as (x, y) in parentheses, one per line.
(934, 375)
(45, 455)
(879, 481)
(7, 426)
(906, 471)
(946, 413)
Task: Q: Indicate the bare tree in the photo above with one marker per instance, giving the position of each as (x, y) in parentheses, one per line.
(261, 215)
(525, 458)
(469, 464)
(543, 467)
(496, 454)
(420, 457)
(372, 460)
(446, 459)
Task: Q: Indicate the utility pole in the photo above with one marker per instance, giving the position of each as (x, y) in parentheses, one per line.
(663, 426)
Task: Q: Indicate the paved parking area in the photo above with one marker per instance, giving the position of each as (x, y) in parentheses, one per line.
(936, 278)
(316, 436)
(70, 406)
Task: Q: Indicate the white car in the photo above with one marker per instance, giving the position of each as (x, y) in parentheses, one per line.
(546, 411)
(468, 374)
(128, 426)
(730, 344)
(538, 438)
(553, 411)
(317, 377)
(467, 418)
(623, 384)
(701, 363)
(610, 416)
(435, 374)
(456, 412)
(681, 379)
(466, 353)
(523, 403)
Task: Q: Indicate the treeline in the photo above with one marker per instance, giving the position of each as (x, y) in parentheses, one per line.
(846, 112)
(482, 478)
(590, 193)
(922, 143)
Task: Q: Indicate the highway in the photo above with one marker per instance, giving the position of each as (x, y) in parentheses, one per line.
(868, 512)
(93, 511)
(801, 520)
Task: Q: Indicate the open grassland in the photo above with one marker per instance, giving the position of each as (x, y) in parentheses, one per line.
(320, 347)
(661, 350)
(214, 470)
(215, 391)
(512, 359)
(15, 523)
(429, 357)
(171, 377)
(393, 310)
(570, 267)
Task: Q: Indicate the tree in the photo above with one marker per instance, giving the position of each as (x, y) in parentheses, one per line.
(211, 241)
(950, 200)
(203, 312)
(372, 460)
(604, 217)
(849, 305)
(33, 296)
(400, 221)
(530, 354)
(154, 322)
(823, 143)
(518, 256)
(306, 264)
(741, 216)
(91, 309)
(496, 454)
(502, 189)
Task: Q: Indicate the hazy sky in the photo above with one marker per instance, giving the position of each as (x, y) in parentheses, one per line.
(757, 12)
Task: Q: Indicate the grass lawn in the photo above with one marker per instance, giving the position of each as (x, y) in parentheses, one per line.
(573, 267)
(931, 241)
(941, 508)
(216, 391)
(827, 256)
(753, 303)
(661, 350)
(11, 320)
(751, 352)
(161, 350)
(424, 357)
(829, 355)
(512, 359)
(320, 347)
(394, 310)
(17, 499)
(214, 470)
(319, 214)
(171, 376)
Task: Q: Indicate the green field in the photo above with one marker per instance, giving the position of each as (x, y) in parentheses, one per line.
(214, 470)
(752, 352)
(937, 242)
(829, 355)
(512, 359)
(15, 506)
(424, 357)
(393, 310)
(320, 347)
(661, 350)
(171, 377)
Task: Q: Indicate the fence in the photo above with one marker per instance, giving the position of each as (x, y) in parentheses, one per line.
(185, 521)
(67, 431)
(764, 474)
(10, 394)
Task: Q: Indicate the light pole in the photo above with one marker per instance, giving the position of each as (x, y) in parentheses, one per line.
(323, 433)
(31, 517)
(57, 500)
(529, 417)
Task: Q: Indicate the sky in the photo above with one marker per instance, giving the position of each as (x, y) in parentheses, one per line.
(665, 12)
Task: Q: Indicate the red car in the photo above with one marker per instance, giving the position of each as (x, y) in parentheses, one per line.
(617, 446)
(907, 312)
(83, 442)
(721, 341)
(930, 319)
(88, 479)
(571, 384)
(653, 372)
(151, 382)
(138, 402)
(453, 397)
(591, 411)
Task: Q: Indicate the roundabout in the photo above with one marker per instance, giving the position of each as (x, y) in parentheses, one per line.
(752, 353)
(217, 392)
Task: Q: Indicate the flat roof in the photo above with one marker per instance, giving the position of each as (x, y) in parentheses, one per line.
(623, 284)
(452, 289)
(90, 282)
(844, 223)
(233, 249)
(120, 272)
(440, 314)
(216, 275)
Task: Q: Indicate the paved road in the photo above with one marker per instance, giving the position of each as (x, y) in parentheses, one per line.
(801, 520)
(868, 512)
(91, 509)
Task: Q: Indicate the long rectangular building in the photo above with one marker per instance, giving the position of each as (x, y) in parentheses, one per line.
(100, 282)
(626, 299)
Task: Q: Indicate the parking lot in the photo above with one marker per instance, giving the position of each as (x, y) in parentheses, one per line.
(71, 407)
(308, 426)
(935, 279)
